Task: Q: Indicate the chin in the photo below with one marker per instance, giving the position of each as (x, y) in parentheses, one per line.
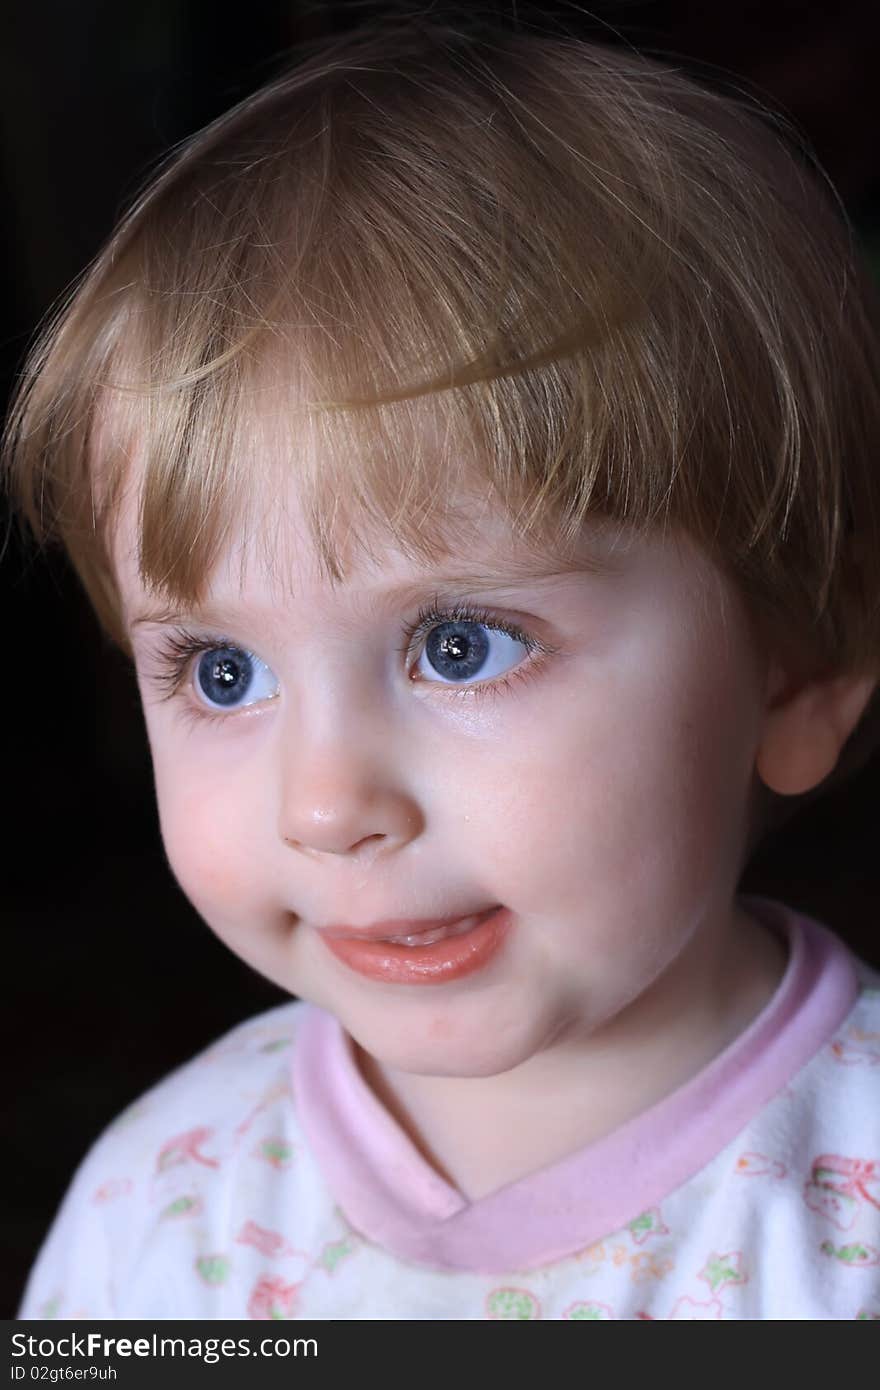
(445, 1053)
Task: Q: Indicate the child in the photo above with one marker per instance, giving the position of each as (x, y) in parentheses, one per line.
(472, 438)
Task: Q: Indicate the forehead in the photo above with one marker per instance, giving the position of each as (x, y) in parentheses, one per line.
(270, 573)
(443, 518)
(308, 503)
(271, 555)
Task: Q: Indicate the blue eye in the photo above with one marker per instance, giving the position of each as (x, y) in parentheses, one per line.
(229, 678)
(464, 650)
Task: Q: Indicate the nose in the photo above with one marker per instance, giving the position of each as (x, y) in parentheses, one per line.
(333, 804)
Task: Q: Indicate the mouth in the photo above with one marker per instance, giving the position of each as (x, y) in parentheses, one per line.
(438, 952)
(410, 931)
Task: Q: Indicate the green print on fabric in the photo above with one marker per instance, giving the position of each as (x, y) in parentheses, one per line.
(276, 1045)
(181, 1206)
(51, 1306)
(333, 1253)
(645, 1222)
(511, 1305)
(649, 1223)
(214, 1269)
(588, 1312)
(854, 1254)
(720, 1270)
(276, 1152)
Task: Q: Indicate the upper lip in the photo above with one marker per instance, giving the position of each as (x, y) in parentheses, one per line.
(402, 926)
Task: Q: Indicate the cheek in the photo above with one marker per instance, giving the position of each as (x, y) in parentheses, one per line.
(642, 776)
(206, 837)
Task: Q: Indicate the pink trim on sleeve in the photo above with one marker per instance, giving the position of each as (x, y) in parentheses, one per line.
(393, 1196)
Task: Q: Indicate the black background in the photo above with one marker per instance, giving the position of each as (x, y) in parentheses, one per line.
(110, 978)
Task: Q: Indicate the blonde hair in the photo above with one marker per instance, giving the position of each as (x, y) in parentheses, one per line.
(569, 270)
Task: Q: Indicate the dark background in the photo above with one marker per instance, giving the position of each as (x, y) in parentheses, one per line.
(111, 979)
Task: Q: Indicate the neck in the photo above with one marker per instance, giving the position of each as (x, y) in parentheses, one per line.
(481, 1133)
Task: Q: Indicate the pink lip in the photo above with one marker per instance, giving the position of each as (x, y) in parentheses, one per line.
(397, 963)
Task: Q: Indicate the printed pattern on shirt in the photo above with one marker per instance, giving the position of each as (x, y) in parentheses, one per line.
(203, 1200)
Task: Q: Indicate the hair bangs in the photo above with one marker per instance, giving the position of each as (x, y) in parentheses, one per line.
(421, 266)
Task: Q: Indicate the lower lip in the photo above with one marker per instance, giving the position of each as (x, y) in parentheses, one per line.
(451, 959)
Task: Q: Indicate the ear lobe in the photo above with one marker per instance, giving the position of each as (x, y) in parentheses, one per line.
(805, 729)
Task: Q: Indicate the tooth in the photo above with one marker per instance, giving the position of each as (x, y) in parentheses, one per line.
(438, 934)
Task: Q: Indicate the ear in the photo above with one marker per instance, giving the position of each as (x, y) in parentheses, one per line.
(805, 727)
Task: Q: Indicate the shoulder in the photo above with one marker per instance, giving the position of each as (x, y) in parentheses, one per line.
(821, 1137)
(170, 1156)
(853, 1053)
(838, 1091)
(784, 1221)
(204, 1100)
(826, 1029)
(216, 1085)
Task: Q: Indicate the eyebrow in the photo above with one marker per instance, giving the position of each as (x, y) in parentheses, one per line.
(513, 575)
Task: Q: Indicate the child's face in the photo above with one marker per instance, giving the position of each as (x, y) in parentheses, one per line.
(601, 800)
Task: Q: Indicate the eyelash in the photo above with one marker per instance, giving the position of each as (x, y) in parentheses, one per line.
(434, 613)
(180, 649)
